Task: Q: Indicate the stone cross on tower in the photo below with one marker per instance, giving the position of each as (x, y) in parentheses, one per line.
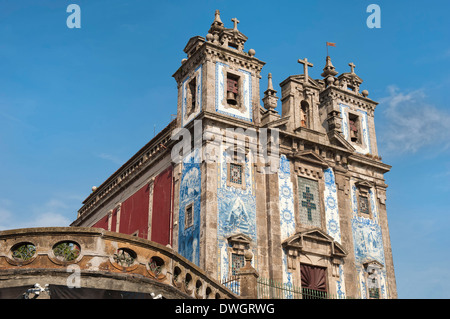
(306, 64)
(235, 21)
(352, 66)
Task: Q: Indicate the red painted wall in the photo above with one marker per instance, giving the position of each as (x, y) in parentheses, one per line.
(162, 208)
(134, 213)
(102, 223)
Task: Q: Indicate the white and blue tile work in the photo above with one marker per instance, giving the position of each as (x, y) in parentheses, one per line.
(367, 241)
(286, 194)
(363, 148)
(331, 205)
(332, 221)
(287, 212)
(244, 112)
(236, 212)
(186, 118)
(189, 237)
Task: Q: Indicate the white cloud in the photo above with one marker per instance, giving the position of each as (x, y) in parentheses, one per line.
(50, 219)
(412, 124)
(110, 158)
(55, 212)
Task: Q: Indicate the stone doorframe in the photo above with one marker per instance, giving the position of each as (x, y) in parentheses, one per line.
(314, 247)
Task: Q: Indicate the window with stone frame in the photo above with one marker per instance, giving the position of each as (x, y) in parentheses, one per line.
(309, 202)
(189, 216)
(364, 206)
(237, 245)
(373, 271)
(236, 173)
(363, 196)
(237, 262)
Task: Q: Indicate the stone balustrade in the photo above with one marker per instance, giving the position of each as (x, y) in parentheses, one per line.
(102, 260)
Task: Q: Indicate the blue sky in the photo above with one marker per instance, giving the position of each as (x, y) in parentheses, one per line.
(75, 104)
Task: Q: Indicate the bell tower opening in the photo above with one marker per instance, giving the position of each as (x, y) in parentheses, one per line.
(232, 89)
(192, 87)
(354, 125)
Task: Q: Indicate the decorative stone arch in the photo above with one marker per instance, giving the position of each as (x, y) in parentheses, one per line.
(316, 248)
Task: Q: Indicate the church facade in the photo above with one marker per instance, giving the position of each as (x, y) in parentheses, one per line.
(303, 191)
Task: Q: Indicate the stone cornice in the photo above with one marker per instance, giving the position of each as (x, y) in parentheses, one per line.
(361, 159)
(345, 96)
(226, 55)
(210, 51)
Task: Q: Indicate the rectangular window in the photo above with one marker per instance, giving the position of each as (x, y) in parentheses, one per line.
(235, 173)
(237, 262)
(374, 293)
(364, 205)
(189, 216)
(309, 202)
(192, 96)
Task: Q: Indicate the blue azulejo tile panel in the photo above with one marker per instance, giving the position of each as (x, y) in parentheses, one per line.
(236, 213)
(332, 221)
(189, 115)
(340, 284)
(287, 215)
(190, 191)
(331, 205)
(367, 241)
(286, 199)
(245, 112)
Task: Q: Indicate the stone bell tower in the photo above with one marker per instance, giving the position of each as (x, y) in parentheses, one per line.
(218, 83)
(218, 76)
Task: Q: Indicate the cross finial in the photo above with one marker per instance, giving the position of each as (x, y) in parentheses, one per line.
(306, 64)
(235, 21)
(352, 66)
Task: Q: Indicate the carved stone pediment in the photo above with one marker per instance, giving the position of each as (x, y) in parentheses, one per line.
(239, 242)
(363, 187)
(310, 157)
(363, 184)
(338, 140)
(312, 83)
(372, 263)
(311, 239)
